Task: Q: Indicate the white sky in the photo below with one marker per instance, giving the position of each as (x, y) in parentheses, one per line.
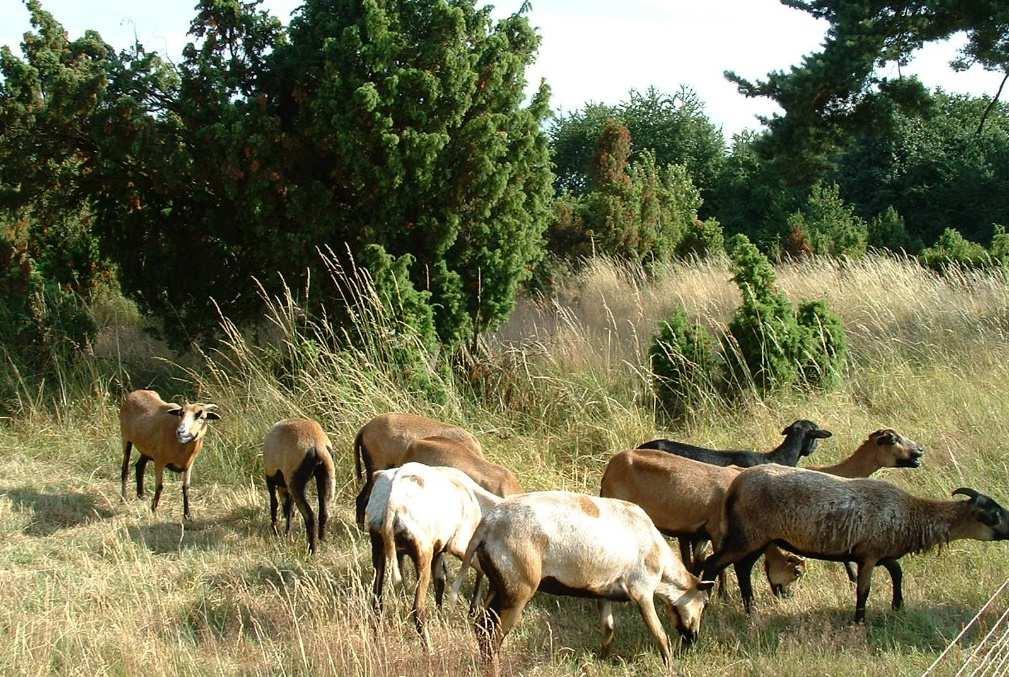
(592, 50)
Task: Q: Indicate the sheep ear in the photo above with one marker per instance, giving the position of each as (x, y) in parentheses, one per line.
(177, 411)
(787, 430)
(970, 493)
(213, 416)
(705, 586)
(822, 434)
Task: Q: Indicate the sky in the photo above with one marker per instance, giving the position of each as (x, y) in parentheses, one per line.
(592, 50)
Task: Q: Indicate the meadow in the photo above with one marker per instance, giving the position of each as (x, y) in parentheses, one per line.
(96, 586)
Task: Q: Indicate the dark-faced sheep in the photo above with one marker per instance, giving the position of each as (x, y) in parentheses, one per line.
(800, 440)
(382, 443)
(572, 544)
(425, 512)
(169, 434)
(295, 451)
(866, 521)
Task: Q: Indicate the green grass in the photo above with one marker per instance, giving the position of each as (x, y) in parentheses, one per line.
(94, 585)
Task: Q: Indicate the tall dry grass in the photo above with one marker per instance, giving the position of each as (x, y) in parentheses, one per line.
(97, 586)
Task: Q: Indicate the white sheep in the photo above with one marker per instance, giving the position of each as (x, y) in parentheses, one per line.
(426, 511)
(565, 543)
(169, 434)
(383, 442)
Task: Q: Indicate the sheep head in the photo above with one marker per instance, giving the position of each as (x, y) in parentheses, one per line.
(809, 432)
(896, 451)
(195, 419)
(992, 520)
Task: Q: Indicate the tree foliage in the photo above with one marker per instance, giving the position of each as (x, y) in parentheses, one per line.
(396, 124)
(674, 127)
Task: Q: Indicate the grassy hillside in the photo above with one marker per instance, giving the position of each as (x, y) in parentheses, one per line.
(96, 586)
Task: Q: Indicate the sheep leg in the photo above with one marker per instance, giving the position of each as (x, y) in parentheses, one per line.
(186, 475)
(865, 568)
(159, 484)
(301, 500)
(474, 599)
(497, 621)
(896, 578)
(849, 568)
(322, 484)
(424, 566)
(439, 569)
(271, 488)
(646, 604)
(744, 571)
(686, 552)
(127, 450)
(606, 620)
(140, 468)
(288, 508)
(378, 562)
(361, 502)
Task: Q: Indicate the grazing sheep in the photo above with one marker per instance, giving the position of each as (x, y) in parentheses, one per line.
(294, 451)
(426, 511)
(684, 499)
(570, 544)
(867, 521)
(446, 452)
(382, 442)
(169, 434)
(800, 440)
(441, 451)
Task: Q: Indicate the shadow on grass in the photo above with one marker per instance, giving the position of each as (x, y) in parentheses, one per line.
(165, 537)
(57, 510)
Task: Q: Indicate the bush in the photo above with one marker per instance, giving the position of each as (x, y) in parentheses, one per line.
(824, 344)
(1000, 246)
(684, 364)
(702, 238)
(832, 226)
(888, 231)
(775, 344)
(952, 249)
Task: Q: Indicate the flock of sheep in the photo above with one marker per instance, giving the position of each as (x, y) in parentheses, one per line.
(429, 491)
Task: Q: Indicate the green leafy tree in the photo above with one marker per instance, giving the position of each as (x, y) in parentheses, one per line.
(685, 364)
(675, 127)
(397, 124)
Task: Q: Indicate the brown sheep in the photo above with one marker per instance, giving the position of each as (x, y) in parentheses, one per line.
(382, 442)
(684, 499)
(869, 521)
(294, 451)
(169, 434)
(439, 451)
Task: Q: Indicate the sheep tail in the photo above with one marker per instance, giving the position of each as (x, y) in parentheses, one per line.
(460, 576)
(389, 543)
(359, 453)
